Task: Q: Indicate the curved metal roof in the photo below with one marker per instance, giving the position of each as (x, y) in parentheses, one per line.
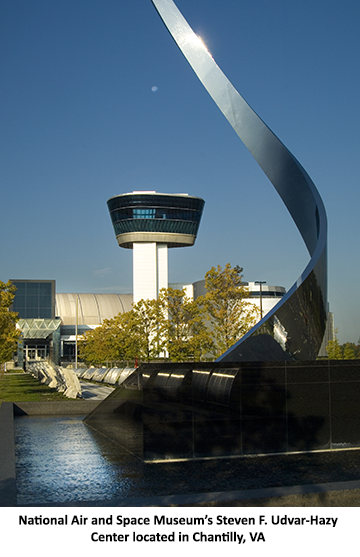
(92, 309)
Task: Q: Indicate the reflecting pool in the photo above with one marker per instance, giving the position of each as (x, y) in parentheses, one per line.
(61, 460)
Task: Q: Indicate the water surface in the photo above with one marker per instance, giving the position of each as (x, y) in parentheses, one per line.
(62, 460)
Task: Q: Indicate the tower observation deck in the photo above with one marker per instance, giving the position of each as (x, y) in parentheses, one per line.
(149, 223)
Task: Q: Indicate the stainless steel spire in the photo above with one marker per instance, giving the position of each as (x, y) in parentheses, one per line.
(295, 327)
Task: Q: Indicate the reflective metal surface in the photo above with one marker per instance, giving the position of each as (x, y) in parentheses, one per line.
(169, 411)
(294, 328)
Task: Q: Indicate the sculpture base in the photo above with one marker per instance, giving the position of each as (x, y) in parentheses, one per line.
(212, 410)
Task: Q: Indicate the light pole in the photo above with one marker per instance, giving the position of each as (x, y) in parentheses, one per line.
(261, 282)
(76, 332)
(76, 302)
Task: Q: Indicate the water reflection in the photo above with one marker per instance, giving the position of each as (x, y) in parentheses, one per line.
(61, 460)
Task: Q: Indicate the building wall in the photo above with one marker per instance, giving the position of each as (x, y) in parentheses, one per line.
(271, 295)
(88, 310)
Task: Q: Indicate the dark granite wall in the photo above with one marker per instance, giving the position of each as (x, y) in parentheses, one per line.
(202, 410)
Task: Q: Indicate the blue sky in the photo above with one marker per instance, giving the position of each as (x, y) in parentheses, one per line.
(97, 100)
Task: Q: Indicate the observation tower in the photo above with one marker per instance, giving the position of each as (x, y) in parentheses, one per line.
(149, 223)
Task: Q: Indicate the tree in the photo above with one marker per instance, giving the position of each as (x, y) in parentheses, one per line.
(135, 334)
(9, 334)
(147, 329)
(176, 324)
(186, 336)
(97, 346)
(333, 348)
(230, 315)
(110, 342)
(348, 351)
(201, 343)
(353, 349)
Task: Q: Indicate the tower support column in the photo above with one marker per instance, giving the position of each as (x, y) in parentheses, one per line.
(150, 270)
(162, 267)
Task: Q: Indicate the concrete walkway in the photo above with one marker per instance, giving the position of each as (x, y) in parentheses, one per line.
(335, 494)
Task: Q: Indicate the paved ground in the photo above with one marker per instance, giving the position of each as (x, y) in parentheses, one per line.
(342, 494)
(94, 391)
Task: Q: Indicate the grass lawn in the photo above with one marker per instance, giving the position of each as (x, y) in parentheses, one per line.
(23, 387)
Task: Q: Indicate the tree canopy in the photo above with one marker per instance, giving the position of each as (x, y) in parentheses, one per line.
(9, 334)
(175, 326)
(231, 315)
(333, 350)
(187, 338)
(346, 351)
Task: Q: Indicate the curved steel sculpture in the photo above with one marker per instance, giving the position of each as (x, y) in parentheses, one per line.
(295, 327)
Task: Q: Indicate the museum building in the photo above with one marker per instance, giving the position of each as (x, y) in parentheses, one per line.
(51, 322)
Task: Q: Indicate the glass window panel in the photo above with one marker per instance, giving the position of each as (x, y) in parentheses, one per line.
(21, 288)
(45, 301)
(45, 313)
(32, 288)
(45, 288)
(19, 301)
(32, 301)
(32, 313)
(155, 201)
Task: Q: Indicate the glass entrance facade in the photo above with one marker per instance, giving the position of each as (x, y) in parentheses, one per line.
(34, 301)
(36, 352)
